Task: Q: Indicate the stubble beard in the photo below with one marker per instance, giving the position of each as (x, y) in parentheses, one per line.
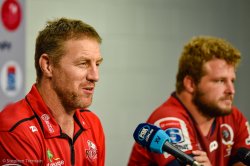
(71, 100)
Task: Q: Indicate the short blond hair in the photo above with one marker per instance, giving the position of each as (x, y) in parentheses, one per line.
(51, 39)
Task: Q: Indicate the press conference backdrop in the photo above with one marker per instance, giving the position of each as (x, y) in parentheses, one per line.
(12, 51)
(142, 41)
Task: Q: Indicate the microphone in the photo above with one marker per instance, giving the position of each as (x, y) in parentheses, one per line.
(156, 140)
(244, 155)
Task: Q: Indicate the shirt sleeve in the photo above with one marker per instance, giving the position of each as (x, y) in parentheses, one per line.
(242, 132)
(102, 146)
(140, 156)
(16, 148)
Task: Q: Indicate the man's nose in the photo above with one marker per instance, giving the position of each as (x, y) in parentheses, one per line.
(93, 73)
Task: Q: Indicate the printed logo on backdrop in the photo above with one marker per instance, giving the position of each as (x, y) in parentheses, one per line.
(5, 45)
(11, 14)
(12, 51)
(11, 78)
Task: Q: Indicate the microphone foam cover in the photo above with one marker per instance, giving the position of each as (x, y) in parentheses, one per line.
(151, 137)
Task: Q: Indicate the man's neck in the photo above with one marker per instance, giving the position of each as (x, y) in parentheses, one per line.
(204, 123)
(66, 122)
(63, 117)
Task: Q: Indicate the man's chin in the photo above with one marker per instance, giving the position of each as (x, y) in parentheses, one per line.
(225, 112)
(217, 113)
(228, 111)
(86, 103)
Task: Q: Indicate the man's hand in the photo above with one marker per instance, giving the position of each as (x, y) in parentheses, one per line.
(201, 157)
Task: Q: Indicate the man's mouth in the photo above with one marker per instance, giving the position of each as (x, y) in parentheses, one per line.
(88, 90)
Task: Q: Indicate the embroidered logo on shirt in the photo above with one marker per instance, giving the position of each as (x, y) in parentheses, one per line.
(91, 152)
(227, 137)
(227, 134)
(52, 160)
(248, 130)
(175, 134)
(177, 130)
(33, 128)
(213, 146)
(46, 118)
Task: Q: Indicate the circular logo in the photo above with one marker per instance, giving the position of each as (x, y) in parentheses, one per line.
(227, 134)
(11, 14)
(45, 117)
(11, 78)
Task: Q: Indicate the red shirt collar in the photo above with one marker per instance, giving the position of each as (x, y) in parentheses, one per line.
(50, 127)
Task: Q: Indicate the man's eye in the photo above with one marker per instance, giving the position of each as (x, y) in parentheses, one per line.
(220, 81)
(83, 64)
(98, 63)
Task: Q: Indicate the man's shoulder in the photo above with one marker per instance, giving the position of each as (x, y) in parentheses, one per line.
(14, 114)
(88, 114)
(236, 114)
(90, 118)
(170, 108)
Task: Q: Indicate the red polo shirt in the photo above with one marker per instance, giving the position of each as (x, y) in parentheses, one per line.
(227, 134)
(29, 135)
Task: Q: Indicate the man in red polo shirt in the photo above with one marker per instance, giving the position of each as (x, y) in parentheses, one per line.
(52, 125)
(199, 116)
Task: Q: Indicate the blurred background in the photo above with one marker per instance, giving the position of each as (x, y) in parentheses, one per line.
(142, 41)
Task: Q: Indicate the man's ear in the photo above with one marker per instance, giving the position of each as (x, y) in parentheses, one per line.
(45, 65)
(189, 84)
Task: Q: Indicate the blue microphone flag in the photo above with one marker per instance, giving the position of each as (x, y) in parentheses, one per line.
(151, 137)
